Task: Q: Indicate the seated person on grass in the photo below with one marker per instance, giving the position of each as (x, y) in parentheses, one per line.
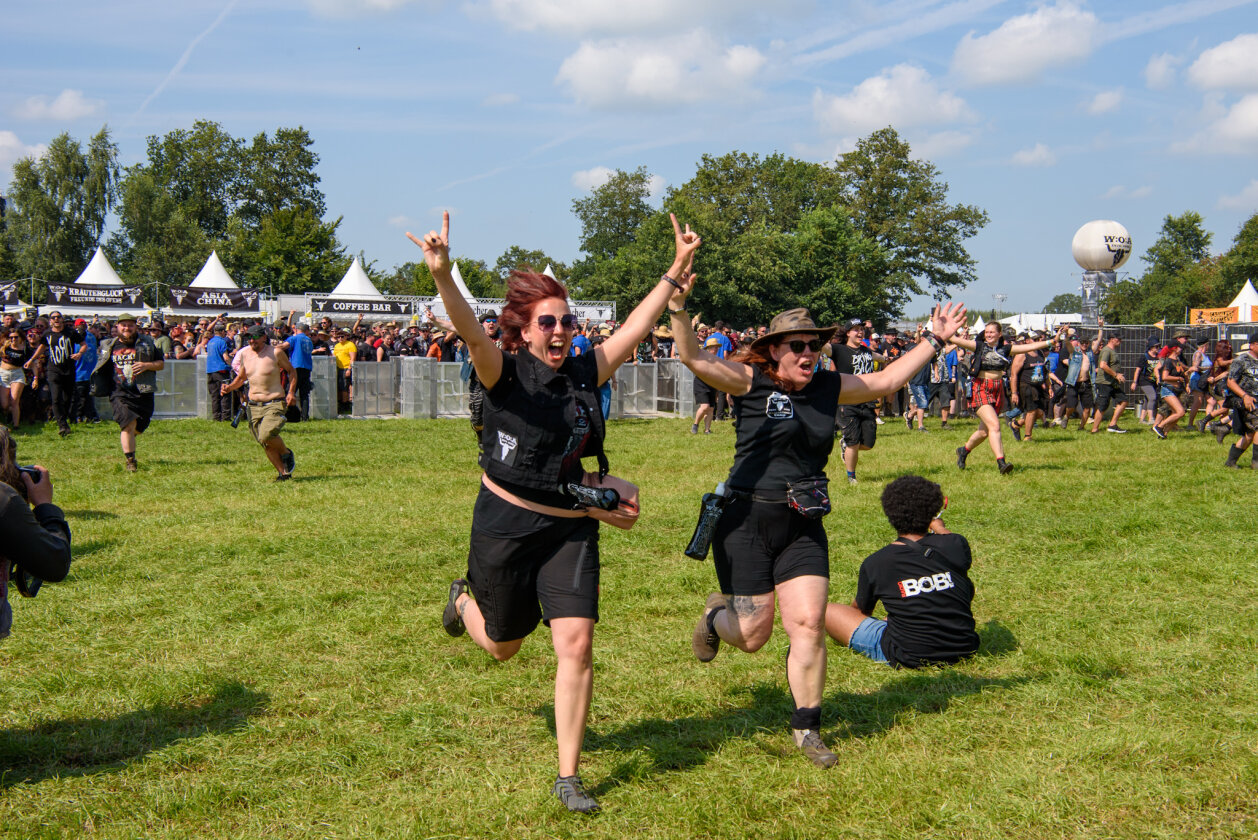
(922, 581)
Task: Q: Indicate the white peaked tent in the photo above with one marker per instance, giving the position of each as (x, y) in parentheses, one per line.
(458, 281)
(356, 284)
(213, 276)
(98, 273)
(549, 271)
(1247, 303)
(1039, 321)
(978, 325)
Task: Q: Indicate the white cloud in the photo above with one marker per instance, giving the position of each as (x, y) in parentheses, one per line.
(1024, 46)
(1231, 65)
(611, 18)
(941, 144)
(1234, 131)
(660, 72)
(1105, 101)
(1246, 199)
(903, 96)
(591, 179)
(1037, 155)
(1118, 191)
(497, 100)
(12, 150)
(69, 105)
(1159, 73)
(403, 222)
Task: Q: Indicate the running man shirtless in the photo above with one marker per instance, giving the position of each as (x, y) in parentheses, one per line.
(260, 366)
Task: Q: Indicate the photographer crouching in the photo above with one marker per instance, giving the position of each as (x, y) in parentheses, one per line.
(33, 531)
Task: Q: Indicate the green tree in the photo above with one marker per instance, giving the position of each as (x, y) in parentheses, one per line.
(902, 204)
(612, 213)
(1065, 302)
(290, 251)
(59, 204)
(278, 174)
(156, 242)
(516, 257)
(201, 168)
(1240, 263)
(1181, 275)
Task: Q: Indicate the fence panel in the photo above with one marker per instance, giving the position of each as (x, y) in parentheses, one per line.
(636, 390)
(375, 389)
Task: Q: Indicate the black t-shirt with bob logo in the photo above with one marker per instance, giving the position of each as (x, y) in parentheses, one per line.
(926, 591)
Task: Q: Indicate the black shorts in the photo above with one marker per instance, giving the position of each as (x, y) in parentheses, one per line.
(524, 567)
(1079, 396)
(942, 392)
(1031, 398)
(858, 425)
(128, 407)
(759, 545)
(1107, 395)
(705, 394)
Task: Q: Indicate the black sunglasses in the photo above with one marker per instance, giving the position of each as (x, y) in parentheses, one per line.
(797, 346)
(547, 322)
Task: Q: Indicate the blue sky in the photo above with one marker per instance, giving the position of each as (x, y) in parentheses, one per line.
(1047, 115)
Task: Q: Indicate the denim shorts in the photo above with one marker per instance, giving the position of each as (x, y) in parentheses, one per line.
(1165, 392)
(867, 639)
(921, 395)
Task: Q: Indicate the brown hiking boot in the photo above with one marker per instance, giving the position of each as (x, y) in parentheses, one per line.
(705, 642)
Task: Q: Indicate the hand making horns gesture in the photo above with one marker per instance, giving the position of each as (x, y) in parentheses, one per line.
(436, 246)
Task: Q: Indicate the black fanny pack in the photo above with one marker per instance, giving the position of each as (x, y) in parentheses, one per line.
(809, 497)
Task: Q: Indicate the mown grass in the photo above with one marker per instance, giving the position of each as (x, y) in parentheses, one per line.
(235, 658)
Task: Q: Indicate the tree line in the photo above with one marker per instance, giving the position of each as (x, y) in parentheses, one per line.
(858, 235)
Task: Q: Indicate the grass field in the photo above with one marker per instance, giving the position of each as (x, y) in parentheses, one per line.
(236, 658)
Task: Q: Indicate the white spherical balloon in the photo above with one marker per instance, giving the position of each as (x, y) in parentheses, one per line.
(1102, 245)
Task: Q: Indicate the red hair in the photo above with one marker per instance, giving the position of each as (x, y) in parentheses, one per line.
(524, 290)
(1223, 350)
(758, 357)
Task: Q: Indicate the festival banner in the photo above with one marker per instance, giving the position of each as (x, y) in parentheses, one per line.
(1223, 315)
(216, 300)
(8, 294)
(349, 306)
(96, 297)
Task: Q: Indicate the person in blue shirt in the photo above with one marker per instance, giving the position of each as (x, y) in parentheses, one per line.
(580, 344)
(722, 349)
(299, 348)
(83, 405)
(218, 371)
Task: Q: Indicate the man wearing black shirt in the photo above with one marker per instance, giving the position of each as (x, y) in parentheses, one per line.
(57, 345)
(922, 581)
(858, 424)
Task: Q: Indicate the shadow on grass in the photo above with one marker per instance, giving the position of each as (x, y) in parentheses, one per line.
(659, 745)
(90, 514)
(85, 746)
(89, 547)
(995, 639)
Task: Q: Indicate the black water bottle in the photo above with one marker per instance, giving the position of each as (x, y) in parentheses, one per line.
(709, 514)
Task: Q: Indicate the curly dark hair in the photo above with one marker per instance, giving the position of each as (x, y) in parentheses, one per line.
(910, 503)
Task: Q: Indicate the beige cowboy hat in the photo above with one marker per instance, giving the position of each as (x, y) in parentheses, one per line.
(792, 321)
(663, 331)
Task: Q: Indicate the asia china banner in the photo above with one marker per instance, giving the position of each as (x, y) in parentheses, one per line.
(96, 297)
(8, 294)
(217, 300)
(1223, 315)
(350, 306)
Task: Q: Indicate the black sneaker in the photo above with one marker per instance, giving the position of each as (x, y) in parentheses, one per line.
(1017, 433)
(944, 427)
(450, 618)
(283, 477)
(1221, 431)
(63, 430)
(908, 421)
(1115, 430)
(811, 745)
(1157, 430)
(1006, 468)
(705, 641)
(961, 456)
(289, 460)
(573, 795)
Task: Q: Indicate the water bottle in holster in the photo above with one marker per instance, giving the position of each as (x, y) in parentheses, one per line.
(709, 514)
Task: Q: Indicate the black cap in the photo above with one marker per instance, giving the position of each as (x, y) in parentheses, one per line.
(490, 314)
(256, 331)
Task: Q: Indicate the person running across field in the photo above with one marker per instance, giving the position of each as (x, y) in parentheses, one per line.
(923, 582)
(126, 372)
(260, 366)
(1109, 387)
(858, 424)
(1242, 381)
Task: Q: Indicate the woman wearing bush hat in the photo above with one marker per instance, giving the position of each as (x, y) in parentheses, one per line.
(770, 546)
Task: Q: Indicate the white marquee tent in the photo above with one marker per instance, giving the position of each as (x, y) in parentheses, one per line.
(97, 273)
(1247, 303)
(211, 276)
(356, 284)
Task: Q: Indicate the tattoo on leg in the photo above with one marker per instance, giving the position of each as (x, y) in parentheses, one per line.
(460, 606)
(744, 606)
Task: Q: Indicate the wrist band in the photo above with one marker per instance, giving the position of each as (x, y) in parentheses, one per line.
(672, 283)
(681, 311)
(934, 342)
